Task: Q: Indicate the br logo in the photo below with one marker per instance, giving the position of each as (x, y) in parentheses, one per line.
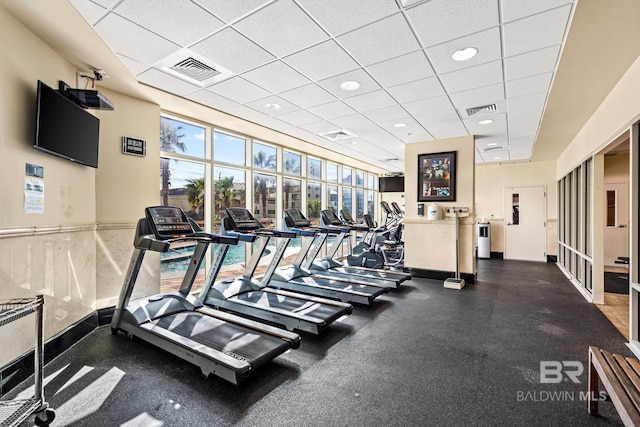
(554, 372)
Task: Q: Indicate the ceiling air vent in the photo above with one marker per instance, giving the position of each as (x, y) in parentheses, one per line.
(483, 109)
(338, 135)
(193, 68)
(488, 149)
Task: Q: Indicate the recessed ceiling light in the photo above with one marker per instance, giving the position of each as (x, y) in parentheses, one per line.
(354, 142)
(350, 85)
(272, 106)
(485, 122)
(464, 54)
(492, 144)
(400, 125)
(496, 158)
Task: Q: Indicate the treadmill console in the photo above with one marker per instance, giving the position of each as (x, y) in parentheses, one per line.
(386, 208)
(330, 217)
(346, 215)
(168, 222)
(241, 220)
(294, 218)
(369, 221)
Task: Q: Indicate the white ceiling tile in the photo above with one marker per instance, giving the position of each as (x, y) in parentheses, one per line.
(531, 63)
(332, 110)
(516, 9)
(371, 101)
(132, 65)
(250, 114)
(233, 51)
(89, 10)
(382, 40)
(473, 77)
(276, 77)
(535, 101)
(477, 97)
(352, 14)
(320, 127)
(299, 118)
(549, 29)
(367, 84)
(419, 135)
(308, 96)
(321, 61)
(261, 105)
(158, 79)
(429, 106)
(496, 156)
(522, 153)
(239, 90)
(439, 21)
(167, 19)
(419, 89)
(106, 3)
(351, 122)
(488, 45)
(528, 86)
(498, 127)
(443, 125)
(393, 112)
(229, 11)
(281, 28)
(212, 100)
(133, 41)
(402, 69)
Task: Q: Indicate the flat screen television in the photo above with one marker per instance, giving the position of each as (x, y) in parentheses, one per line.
(391, 184)
(65, 129)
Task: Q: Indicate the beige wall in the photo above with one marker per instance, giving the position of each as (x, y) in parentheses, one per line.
(430, 245)
(51, 253)
(615, 115)
(491, 180)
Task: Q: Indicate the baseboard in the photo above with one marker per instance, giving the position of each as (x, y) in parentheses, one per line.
(440, 274)
(22, 368)
(498, 255)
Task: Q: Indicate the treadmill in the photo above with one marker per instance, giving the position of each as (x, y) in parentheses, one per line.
(246, 296)
(222, 344)
(299, 279)
(329, 219)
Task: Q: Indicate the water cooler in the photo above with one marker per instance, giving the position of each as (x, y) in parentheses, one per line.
(484, 240)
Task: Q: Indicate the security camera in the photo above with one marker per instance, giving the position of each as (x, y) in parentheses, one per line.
(98, 74)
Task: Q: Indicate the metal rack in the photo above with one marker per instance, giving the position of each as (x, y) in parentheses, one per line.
(13, 412)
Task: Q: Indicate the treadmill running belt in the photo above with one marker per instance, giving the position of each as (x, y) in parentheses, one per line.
(231, 339)
(296, 306)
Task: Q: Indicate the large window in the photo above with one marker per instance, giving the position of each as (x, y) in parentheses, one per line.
(314, 168)
(292, 163)
(264, 157)
(314, 201)
(229, 148)
(205, 170)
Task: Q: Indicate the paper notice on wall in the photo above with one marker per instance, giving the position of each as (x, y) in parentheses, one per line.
(33, 195)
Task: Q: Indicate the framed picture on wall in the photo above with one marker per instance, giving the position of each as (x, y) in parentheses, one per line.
(437, 177)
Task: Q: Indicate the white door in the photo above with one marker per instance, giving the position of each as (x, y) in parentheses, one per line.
(616, 231)
(525, 234)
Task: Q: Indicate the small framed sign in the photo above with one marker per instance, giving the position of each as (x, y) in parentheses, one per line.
(134, 146)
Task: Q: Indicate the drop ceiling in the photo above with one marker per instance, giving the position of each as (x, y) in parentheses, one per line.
(281, 64)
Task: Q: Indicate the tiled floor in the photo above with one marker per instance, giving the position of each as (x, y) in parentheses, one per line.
(616, 309)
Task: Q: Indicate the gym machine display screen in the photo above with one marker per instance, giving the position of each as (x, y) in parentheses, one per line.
(168, 222)
(298, 219)
(242, 219)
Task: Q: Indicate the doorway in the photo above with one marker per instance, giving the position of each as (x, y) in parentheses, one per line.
(525, 228)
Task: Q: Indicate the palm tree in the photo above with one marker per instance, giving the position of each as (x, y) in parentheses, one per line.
(224, 193)
(291, 166)
(170, 141)
(195, 194)
(263, 161)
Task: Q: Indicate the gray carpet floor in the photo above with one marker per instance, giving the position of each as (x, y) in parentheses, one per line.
(423, 355)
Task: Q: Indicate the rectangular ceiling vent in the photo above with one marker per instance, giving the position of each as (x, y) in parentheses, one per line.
(194, 68)
(483, 109)
(338, 135)
(489, 149)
